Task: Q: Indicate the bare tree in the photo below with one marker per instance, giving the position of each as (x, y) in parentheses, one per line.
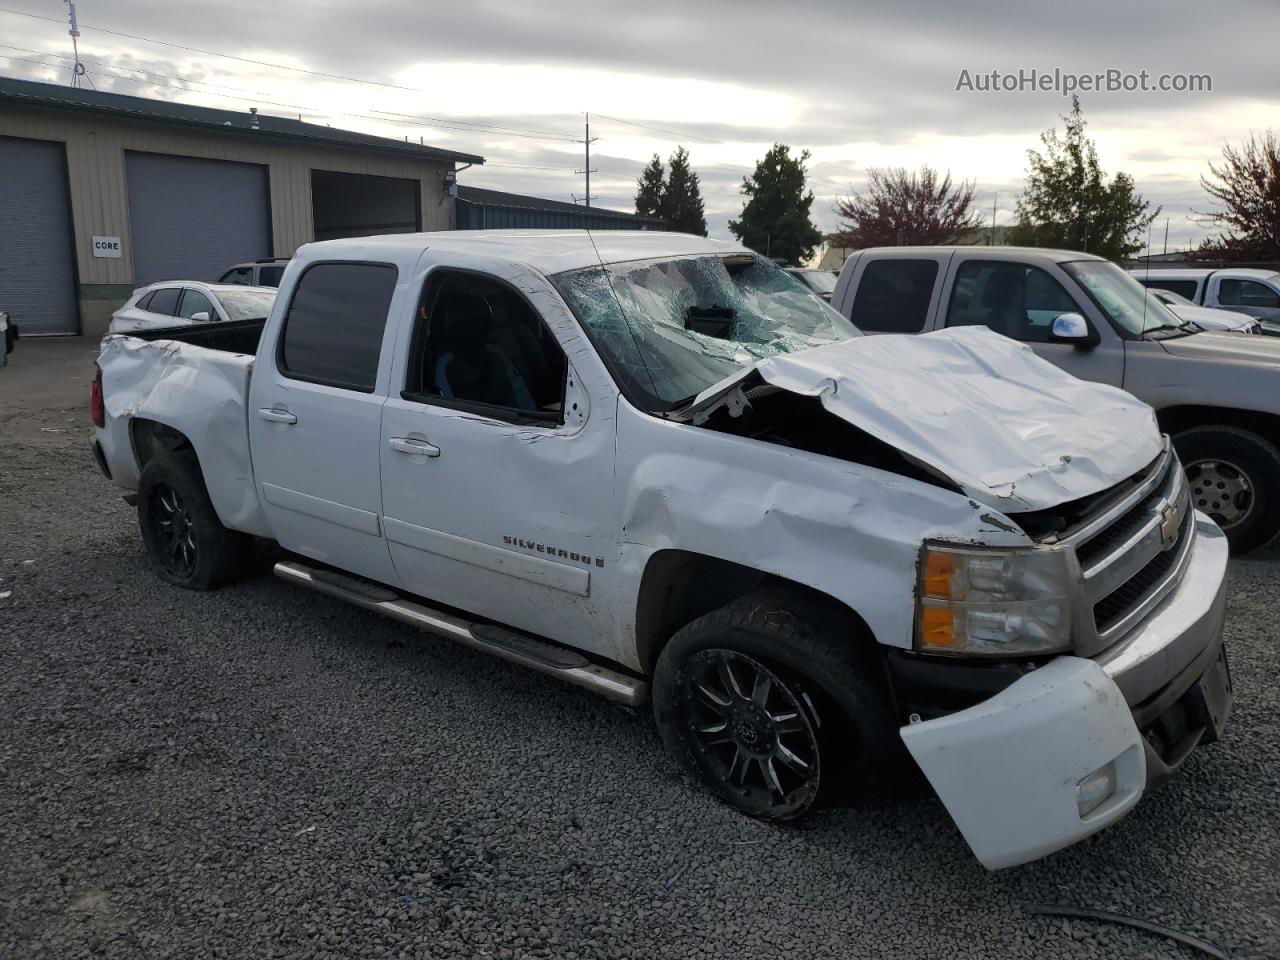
(1247, 184)
(906, 207)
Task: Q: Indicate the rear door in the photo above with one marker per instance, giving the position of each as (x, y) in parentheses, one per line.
(894, 293)
(195, 303)
(1020, 301)
(315, 414)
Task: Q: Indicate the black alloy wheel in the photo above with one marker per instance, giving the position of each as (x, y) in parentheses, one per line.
(752, 731)
(174, 531)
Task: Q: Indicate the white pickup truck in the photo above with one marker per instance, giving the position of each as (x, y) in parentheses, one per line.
(658, 467)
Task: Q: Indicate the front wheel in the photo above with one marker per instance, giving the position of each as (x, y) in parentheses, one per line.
(770, 703)
(1234, 476)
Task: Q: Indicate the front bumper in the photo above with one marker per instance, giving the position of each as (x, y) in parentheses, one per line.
(1008, 769)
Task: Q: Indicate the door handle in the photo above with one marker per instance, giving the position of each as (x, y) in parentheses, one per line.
(277, 416)
(409, 445)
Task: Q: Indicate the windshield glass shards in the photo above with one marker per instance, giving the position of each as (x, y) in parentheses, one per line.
(671, 328)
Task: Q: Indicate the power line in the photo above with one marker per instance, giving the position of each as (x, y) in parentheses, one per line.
(280, 66)
(670, 133)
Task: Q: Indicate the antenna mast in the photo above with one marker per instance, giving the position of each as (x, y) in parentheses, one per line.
(77, 71)
(587, 141)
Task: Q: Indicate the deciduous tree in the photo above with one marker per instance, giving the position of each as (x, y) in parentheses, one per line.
(1069, 204)
(1247, 184)
(906, 207)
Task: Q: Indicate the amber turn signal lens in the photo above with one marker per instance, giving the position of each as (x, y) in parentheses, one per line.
(936, 630)
(939, 568)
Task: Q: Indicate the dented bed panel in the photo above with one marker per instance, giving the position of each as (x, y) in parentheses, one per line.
(199, 392)
(1009, 769)
(848, 530)
(1005, 425)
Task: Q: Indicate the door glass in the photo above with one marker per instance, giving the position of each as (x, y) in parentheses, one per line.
(1247, 293)
(333, 330)
(1012, 299)
(165, 301)
(480, 343)
(270, 276)
(238, 275)
(193, 302)
(893, 295)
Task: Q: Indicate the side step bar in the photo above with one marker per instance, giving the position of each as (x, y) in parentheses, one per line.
(556, 661)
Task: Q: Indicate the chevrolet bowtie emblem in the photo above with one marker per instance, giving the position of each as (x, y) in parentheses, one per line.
(1170, 523)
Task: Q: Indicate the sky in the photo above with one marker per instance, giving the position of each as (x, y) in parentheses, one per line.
(857, 84)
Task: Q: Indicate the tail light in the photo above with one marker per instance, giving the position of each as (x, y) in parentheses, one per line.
(97, 409)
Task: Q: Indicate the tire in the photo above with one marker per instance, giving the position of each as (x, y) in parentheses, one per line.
(186, 544)
(822, 722)
(1235, 478)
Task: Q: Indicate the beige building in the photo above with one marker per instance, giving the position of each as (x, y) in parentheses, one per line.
(101, 193)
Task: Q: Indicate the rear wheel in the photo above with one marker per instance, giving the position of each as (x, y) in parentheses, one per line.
(185, 542)
(771, 704)
(1234, 477)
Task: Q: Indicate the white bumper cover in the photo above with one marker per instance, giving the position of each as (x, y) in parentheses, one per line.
(1009, 769)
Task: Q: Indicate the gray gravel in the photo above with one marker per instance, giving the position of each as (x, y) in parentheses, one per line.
(264, 772)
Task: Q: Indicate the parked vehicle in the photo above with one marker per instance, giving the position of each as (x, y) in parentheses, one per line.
(1206, 318)
(8, 338)
(1214, 393)
(175, 303)
(1254, 292)
(257, 273)
(821, 282)
(654, 466)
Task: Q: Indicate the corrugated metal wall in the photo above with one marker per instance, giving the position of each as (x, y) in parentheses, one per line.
(192, 218)
(37, 273)
(482, 216)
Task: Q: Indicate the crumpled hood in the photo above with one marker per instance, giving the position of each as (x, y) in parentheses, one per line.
(1225, 348)
(1010, 429)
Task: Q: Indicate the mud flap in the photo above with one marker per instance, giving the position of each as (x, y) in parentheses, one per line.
(1009, 769)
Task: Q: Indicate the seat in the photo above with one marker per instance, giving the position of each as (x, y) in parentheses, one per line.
(512, 335)
(465, 365)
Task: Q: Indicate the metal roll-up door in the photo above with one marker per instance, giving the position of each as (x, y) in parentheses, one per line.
(191, 219)
(37, 256)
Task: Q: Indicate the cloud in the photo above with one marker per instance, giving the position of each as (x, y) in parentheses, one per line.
(859, 85)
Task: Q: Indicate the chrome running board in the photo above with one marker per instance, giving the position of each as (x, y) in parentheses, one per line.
(556, 661)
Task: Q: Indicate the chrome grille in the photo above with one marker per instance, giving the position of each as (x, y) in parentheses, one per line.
(1128, 556)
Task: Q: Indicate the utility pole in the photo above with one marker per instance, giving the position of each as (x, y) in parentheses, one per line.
(1166, 235)
(587, 140)
(994, 198)
(77, 71)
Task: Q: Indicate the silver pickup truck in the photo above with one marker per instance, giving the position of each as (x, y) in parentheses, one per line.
(1214, 393)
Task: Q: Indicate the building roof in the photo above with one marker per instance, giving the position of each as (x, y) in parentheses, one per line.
(52, 96)
(547, 251)
(497, 198)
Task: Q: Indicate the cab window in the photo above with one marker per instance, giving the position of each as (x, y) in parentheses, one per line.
(893, 295)
(1247, 293)
(1012, 299)
(479, 344)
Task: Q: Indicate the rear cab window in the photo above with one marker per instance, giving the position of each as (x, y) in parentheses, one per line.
(333, 329)
(893, 295)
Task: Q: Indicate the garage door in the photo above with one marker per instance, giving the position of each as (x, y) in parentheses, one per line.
(37, 260)
(190, 219)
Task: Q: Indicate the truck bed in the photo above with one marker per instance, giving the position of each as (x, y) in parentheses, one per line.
(237, 336)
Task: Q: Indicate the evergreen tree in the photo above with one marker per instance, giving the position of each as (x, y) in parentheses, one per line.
(1068, 203)
(681, 204)
(649, 189)
(775, 220)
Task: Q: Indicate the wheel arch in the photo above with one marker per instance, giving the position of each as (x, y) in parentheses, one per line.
(1176, 419)
(678, 586)
(148, 438)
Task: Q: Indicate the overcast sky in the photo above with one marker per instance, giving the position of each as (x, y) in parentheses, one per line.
(858, 84)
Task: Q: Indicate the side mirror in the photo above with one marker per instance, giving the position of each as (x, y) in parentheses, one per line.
(1071, 328)
(204, 315)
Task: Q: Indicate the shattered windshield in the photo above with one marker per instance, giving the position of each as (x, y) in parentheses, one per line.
(671, 328)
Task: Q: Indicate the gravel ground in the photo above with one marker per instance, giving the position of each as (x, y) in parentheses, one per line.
(265, 772)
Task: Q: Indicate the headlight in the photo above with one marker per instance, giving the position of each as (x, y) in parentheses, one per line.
(993, 602)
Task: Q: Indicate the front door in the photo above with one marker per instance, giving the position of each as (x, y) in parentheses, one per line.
(1020, 301)
(496, 471)
(315, 412)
